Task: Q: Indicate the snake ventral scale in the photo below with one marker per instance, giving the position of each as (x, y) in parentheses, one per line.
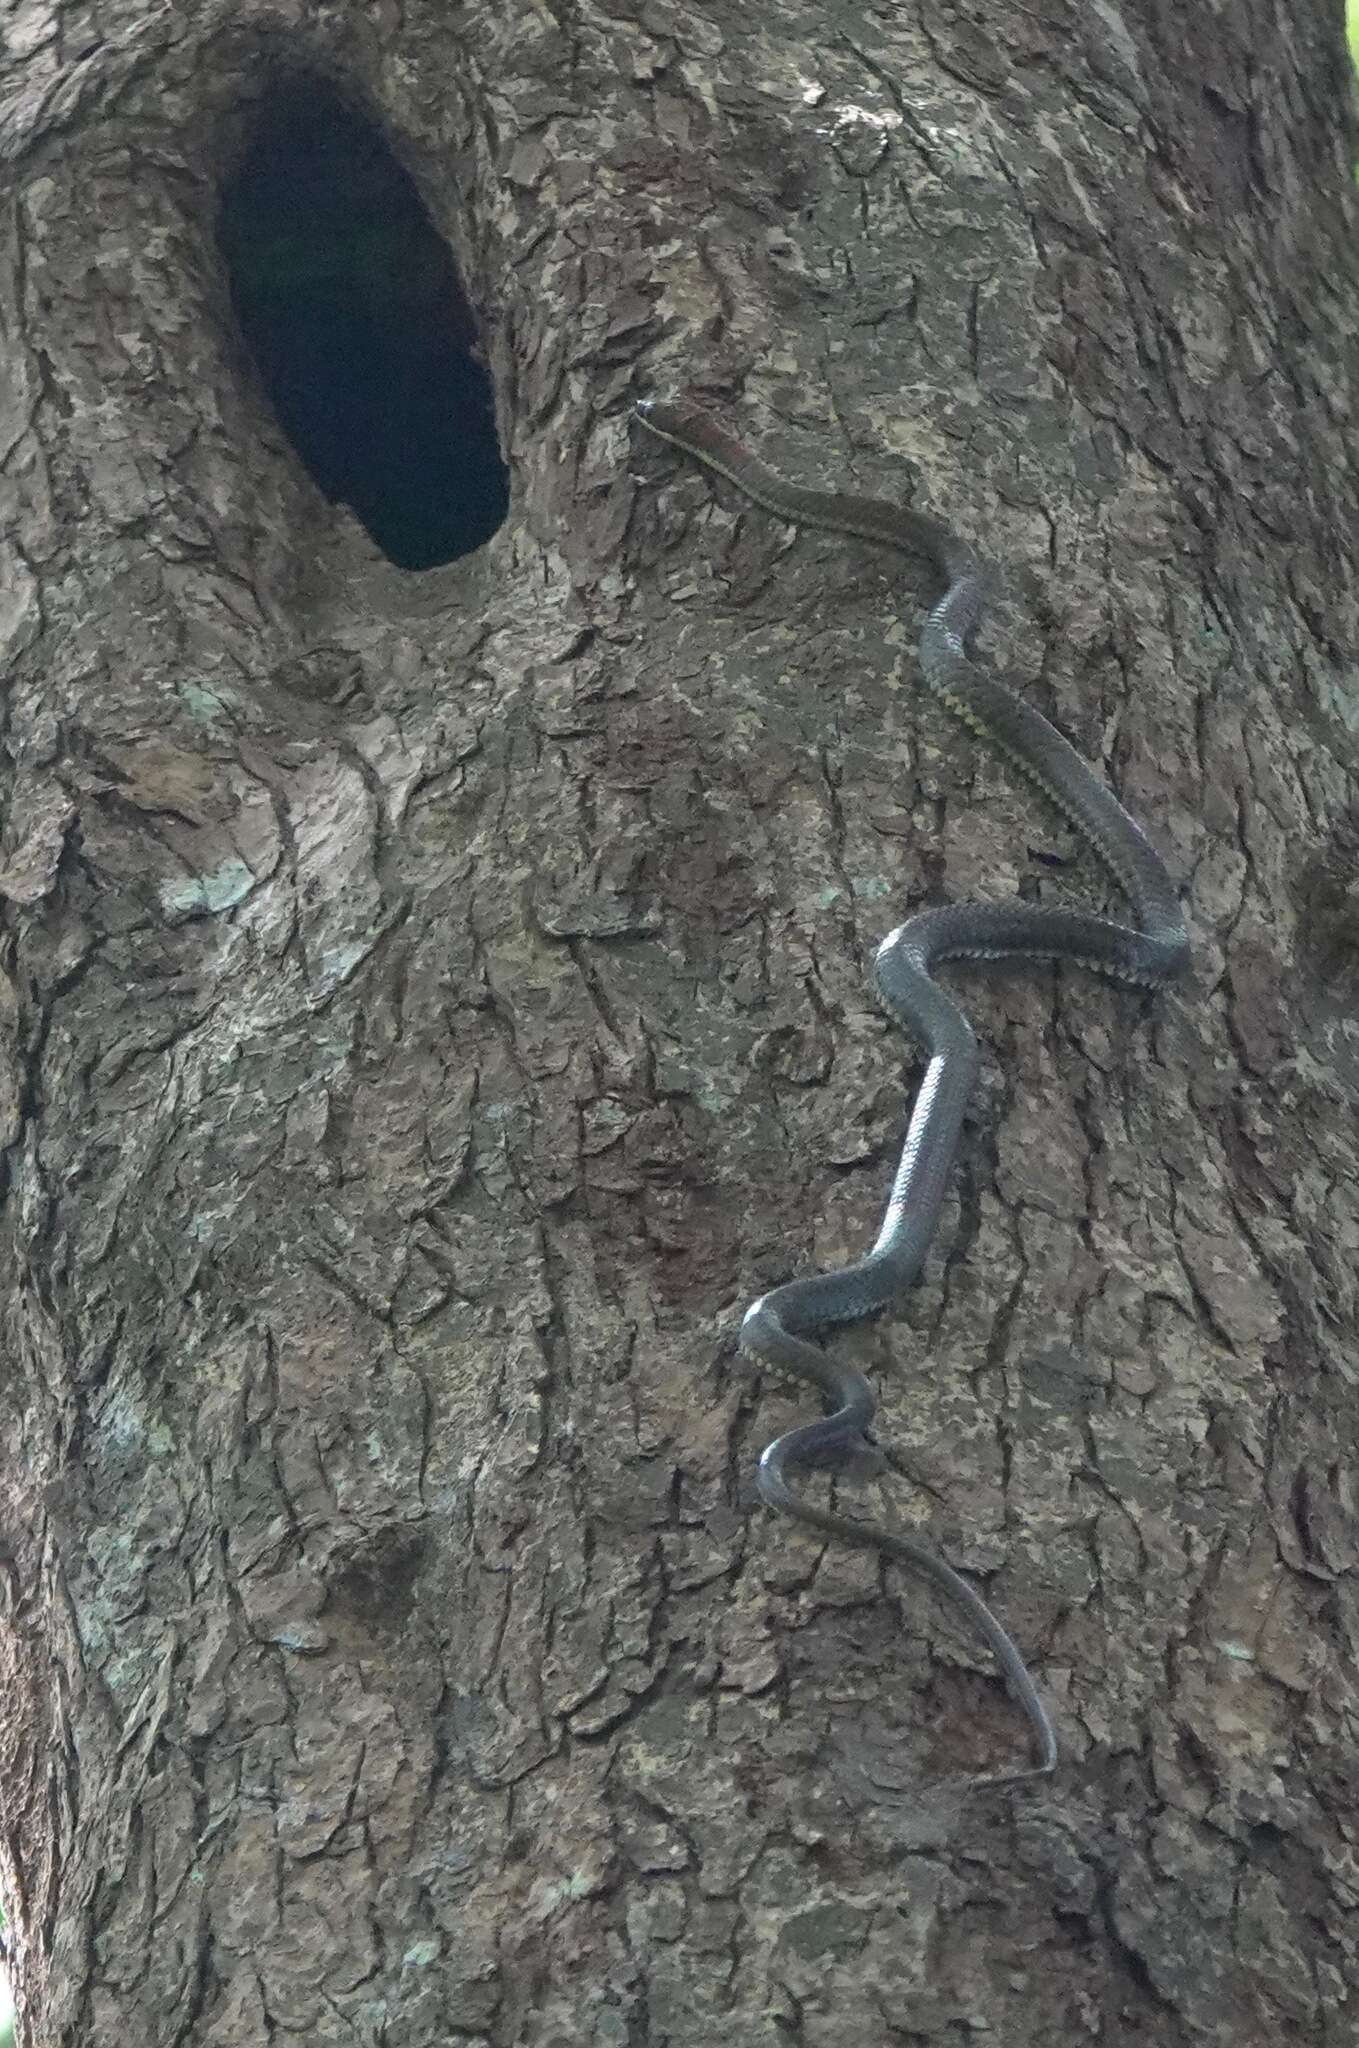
(778, 1328)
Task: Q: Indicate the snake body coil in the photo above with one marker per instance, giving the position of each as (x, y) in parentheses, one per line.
(777, 1326)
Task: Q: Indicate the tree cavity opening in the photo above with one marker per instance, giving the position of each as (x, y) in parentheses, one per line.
(353, 310)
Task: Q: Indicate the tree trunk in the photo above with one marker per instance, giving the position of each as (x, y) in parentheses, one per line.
(435, 1004)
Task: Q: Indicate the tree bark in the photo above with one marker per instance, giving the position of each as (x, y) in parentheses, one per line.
(435, 1005)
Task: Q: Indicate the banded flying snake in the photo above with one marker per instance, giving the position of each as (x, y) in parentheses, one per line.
(777, 1327)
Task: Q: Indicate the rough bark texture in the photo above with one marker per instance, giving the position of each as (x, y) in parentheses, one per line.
(433, 1006)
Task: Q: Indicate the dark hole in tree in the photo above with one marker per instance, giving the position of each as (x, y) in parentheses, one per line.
(353, 310)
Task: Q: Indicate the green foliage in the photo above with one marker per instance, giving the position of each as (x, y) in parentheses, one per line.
(1352, 36)
(6, 2001)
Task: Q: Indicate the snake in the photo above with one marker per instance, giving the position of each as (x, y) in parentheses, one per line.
(779, 1327)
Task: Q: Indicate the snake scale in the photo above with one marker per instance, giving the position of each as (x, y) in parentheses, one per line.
(777, 1328)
